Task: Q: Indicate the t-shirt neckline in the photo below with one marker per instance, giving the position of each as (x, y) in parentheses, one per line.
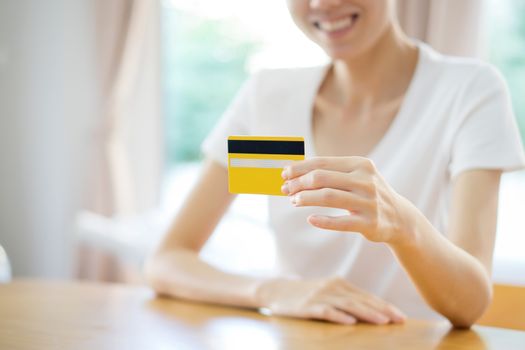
(394, 125)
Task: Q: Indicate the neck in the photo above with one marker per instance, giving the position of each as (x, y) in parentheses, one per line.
(381, 73)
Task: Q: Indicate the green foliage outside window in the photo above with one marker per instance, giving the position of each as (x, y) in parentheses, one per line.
(507, 52)
(204, 64)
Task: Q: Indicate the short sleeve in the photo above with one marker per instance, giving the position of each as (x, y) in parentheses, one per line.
(487, 136)
(235, 121)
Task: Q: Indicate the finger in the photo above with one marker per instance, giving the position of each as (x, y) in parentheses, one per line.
(342, 164)
(392, 312)
(352, 222)
(320, 178)
(329, 313)
(360, 310)
(382, 306)
(330, 197)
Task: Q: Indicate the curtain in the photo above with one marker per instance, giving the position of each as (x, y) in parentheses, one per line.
(127, 144)
(128, 137)
(453, 27)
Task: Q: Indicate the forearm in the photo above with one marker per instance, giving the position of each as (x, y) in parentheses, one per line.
(183, 274)
(451, 280)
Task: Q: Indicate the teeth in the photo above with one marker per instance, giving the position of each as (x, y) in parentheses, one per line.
(332, 26)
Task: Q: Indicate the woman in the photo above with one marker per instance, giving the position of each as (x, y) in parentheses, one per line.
(394, 208)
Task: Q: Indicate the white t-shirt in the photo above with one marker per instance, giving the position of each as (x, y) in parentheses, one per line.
(456, 116)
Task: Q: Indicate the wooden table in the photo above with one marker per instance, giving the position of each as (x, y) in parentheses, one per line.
(66, 315)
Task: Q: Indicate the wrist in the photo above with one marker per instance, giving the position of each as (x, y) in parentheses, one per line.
(407, 230)
(268, 290)
(262, 292)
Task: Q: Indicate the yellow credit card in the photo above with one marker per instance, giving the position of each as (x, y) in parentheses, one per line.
(255, 163)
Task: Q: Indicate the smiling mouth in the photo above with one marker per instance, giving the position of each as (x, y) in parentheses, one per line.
(338, 25)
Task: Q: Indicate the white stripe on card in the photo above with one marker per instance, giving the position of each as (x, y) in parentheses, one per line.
(259, 163)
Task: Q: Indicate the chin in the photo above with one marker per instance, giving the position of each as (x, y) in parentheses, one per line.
(344, 53)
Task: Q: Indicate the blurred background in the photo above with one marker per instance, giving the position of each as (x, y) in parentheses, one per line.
(104, 104)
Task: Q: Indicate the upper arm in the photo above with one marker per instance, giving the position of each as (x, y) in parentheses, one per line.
(473, 213)
(202, 210)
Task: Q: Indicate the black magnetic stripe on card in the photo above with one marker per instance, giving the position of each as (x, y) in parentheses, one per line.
(266, 147)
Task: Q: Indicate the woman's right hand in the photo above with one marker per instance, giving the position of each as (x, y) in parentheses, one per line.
(334, 300)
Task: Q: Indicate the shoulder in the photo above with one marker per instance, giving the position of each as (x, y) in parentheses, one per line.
(457, 74)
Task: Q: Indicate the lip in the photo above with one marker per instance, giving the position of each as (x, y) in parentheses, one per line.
(337, 33)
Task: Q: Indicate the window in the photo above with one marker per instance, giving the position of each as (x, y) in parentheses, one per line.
(507, 49)
(506, 21)
(210, 47)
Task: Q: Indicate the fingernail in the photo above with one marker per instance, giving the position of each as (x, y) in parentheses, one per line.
(285, 173)
(400, 317)
(293, 200)
(350, 321)
(382, 319)
(285, 189)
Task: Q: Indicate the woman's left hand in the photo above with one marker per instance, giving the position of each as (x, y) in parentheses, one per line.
(353, 184)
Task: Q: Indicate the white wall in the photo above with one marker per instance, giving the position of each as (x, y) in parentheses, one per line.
(47, 100)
